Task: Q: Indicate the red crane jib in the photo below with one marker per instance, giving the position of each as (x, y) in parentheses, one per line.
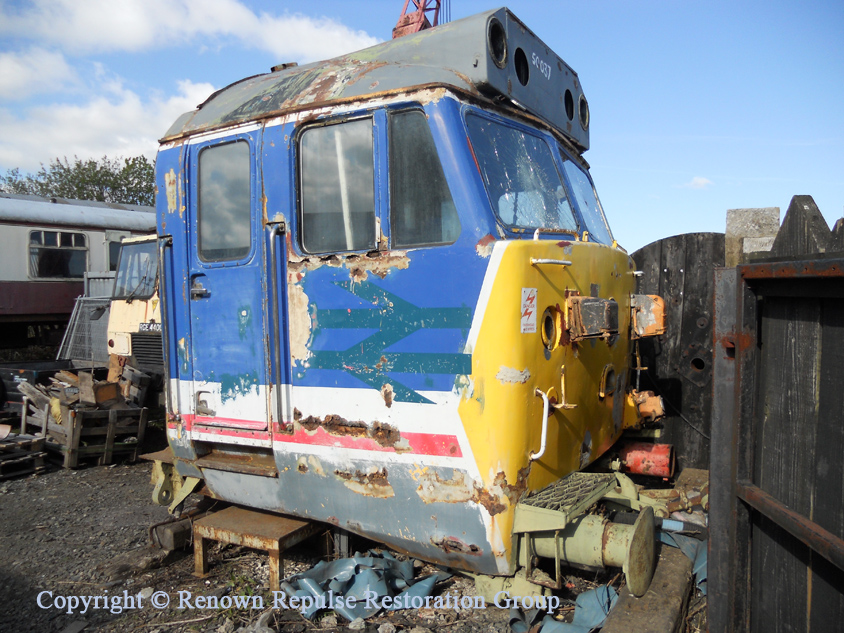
(417, 20)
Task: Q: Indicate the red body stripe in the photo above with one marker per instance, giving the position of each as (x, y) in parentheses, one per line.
(418, 443)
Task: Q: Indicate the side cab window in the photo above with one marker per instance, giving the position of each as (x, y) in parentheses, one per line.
(337, 187)
(422, 211)
(339, 206)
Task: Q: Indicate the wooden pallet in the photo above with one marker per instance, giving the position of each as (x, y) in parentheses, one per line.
(97, 433)
(21, 455)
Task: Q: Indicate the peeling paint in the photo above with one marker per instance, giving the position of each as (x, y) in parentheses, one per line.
(182, 352)
(300, 322)
(513, 492)
(387, 394)
(244, 320)
(316, 465)
(510, 375)
(232, 387)
(460, 489)
(372, 484)
(485, 245)
(377, 263)
(385, 434)
(464, 386)
(170, 185)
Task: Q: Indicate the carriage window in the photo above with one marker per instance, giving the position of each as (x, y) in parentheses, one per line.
(225, 202)
(338, 187)
(421, 208)
(521, 176)
(113, 255)
(57, 255)
(587, 200)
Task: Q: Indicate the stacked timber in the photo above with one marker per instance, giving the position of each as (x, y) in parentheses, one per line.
(20, 454)
(80, 416)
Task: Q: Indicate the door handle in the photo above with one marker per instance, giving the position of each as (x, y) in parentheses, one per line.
(202, 407)
(198, 291)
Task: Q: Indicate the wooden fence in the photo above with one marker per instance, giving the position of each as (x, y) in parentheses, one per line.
(776, 558)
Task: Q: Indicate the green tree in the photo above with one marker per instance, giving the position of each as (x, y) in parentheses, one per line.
(120, 180)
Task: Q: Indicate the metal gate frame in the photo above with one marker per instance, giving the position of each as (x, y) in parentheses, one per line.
(735, 499)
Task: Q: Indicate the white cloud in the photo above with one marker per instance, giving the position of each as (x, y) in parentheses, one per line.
(698, 182)
(60, 100)
(134, 25)
(116, 123)
(32, 72)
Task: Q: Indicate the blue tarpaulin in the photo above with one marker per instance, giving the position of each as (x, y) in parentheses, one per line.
(590, 612)
(369, 578)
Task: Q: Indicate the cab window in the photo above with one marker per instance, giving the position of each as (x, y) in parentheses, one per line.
(137, 271)
(225, 202)
(337, 175)
(587, 202)
(521, 177)
(422, 211)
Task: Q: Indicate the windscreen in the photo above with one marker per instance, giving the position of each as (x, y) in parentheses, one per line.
(521, 177)
(587, 202)
(137, 271)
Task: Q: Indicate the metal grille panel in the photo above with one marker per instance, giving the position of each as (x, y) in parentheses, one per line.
(148, 352)
(86, 337)
(566, 494)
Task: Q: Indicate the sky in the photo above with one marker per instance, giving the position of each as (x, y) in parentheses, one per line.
(696, 107)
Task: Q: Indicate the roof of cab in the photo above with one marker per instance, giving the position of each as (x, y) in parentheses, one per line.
(490, 54)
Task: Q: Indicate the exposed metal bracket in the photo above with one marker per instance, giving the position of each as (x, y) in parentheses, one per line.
(534, 261)
(187, 488)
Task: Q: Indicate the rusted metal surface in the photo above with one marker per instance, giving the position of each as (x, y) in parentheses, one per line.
(648, 404)
(386, 435)
(820, 540)
(252, 463)
(373, 483)
(794, 269)
(359, 265)
(648, 316)
(451, 544)
(445, 56)
(591, 317)
(250, 528)
(462, 488)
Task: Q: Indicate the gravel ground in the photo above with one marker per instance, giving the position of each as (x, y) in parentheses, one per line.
(84, 533)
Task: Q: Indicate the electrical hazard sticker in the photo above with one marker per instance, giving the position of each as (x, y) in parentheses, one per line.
(528, 310)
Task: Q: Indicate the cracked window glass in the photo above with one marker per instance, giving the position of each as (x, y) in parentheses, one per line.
(337, 175)
(521, 177)
(422, 211)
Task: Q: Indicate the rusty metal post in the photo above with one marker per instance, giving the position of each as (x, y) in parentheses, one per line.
(722, 511)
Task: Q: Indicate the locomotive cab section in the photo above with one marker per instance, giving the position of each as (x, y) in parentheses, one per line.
(134, 322)
(392, 302)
